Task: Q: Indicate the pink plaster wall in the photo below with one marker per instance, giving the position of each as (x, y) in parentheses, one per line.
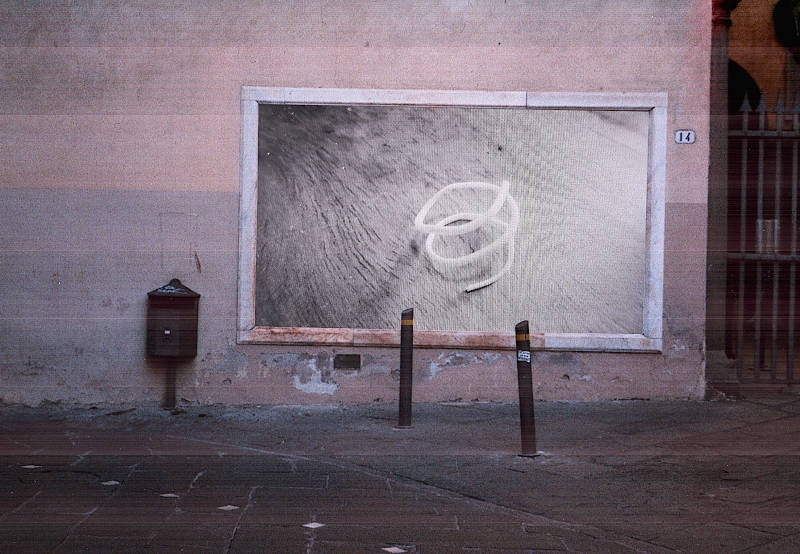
(115, 114)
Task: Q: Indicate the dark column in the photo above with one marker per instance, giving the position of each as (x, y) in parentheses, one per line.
(717, 246)
(525, 380)
(406, 365)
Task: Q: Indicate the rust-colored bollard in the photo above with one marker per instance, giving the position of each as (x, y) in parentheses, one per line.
(406, 363)
(527, 422)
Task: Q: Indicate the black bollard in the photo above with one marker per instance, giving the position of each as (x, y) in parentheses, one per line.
(406, 362)
(525, 378)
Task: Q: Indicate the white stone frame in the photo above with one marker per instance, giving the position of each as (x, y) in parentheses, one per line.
(649, 340)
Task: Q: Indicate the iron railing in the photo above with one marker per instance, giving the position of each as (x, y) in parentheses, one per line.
(762, 242)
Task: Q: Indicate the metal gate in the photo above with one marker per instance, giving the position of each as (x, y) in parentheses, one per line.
(762, 272)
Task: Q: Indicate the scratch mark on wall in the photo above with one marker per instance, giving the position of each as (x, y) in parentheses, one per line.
(176, 231)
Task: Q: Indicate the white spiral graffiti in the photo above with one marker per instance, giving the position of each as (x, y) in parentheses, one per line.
(473, 221)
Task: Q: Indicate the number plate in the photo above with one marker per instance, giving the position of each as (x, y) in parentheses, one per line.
(685, 136)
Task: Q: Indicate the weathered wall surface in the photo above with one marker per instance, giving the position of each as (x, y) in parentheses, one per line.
(119, 135)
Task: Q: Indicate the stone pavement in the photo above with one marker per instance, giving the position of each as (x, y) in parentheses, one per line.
(721, 476)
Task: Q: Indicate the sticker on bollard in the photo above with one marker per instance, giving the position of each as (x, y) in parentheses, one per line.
(523, 356)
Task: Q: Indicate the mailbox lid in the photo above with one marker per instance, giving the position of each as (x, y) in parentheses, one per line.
(174, 289)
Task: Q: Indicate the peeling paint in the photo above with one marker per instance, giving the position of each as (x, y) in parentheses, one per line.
(444, 361)
(311, 374)
(285, 361)
(314, 375)
(227, 360)
(315, 385)
(372, 365)
(682, 334)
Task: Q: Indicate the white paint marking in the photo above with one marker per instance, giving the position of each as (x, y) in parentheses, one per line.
(314, 525)
(18, 508)
(80, 458)
(239, 520)
(393, 549)
(110, 483)
(196, 477)
(169, 495)
(228, 507)
(72, 529)
(30, 466)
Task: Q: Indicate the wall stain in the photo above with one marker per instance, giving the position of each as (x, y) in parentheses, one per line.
(568, 363)
(682, 337)
(31, 367)
(309, 373)
(445, 361)
(372, 365)
(122, 305)
(227, 360)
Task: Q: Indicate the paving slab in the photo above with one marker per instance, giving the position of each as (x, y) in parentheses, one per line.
(613, 477)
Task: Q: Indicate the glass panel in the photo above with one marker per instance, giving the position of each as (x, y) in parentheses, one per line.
(340, 188)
